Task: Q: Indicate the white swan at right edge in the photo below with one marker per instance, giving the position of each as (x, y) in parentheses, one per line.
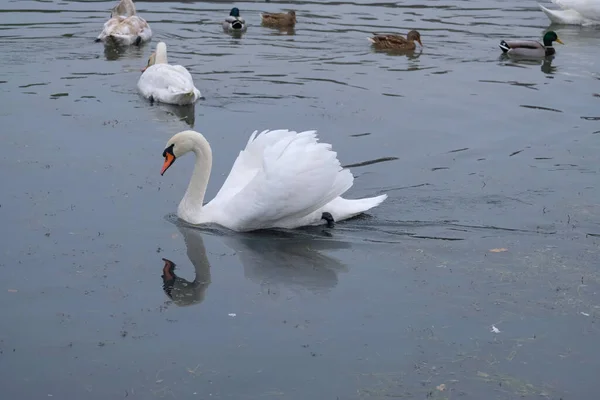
(574, 12)
(282, 179)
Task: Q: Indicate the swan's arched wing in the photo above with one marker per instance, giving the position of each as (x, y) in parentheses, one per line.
(587, 8)
(250, 161)
(298, 176)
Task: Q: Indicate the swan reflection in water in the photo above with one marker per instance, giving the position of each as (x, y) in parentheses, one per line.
(185, 113)
(114, 51)
(271, 259)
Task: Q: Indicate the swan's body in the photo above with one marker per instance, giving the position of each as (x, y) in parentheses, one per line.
(172, 84)
(282, 179)
(124, 27)
(233, 22)
(574, 12)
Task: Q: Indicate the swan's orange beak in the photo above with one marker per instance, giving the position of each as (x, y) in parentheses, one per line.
(169, 160)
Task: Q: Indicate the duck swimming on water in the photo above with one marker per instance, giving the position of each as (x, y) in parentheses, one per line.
(531, 48)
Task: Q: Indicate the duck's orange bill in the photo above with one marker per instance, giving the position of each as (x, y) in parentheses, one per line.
(169, 159)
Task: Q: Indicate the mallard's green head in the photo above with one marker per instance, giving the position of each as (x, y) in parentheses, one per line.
(550, 37)
(235, 12)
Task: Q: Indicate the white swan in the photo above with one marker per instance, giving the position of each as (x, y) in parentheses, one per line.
(282, 179)
(574, 12)
(172, 84)
(124, 26)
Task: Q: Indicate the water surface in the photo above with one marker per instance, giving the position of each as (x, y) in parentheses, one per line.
(476, 152)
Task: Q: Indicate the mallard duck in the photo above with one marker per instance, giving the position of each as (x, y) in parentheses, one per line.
(531, 48)
(396, 42)
(279, 20)
(574, 12)
(171, 84)
(124, 27)
(234, 23)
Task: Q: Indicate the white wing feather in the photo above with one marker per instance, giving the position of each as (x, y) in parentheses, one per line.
(250, 161)
(126, 29)
(587, 8)
(298, 176)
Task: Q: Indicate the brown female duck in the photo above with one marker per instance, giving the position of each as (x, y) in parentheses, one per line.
(279, 20)
(396, 42)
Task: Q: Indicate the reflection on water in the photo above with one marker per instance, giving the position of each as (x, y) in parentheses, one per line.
(546, 62)
(273, 259)
(185, 113)
(180, 290)
(113, 51)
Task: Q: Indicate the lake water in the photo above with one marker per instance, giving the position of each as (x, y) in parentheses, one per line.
(476, 153)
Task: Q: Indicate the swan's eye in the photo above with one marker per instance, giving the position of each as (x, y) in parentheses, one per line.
(169, 150)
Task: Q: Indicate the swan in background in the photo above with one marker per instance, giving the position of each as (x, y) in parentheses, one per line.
(574, 12)
(124, 27)
(171, 84)
(282, 179)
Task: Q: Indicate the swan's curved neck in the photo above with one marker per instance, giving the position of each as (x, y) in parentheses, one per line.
(192, 201)
(125, 8)
(161, 54)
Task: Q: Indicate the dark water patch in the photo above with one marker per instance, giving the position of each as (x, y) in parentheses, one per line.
(331, 81)
(543, 158)
(591, 118)
(540, 108)
(436, 237)
(364, 163)
(361, 134)
(514, 153)
(58, 95)
(439, 168)
(392, 95)
(35, 84)
(513, 83)
(457, 150)
(407, 187)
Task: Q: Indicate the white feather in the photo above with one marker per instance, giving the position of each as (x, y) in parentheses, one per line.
(165, 83)
(124, 26)
(574, 12)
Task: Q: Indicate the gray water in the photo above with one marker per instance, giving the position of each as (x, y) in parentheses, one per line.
(476, 153)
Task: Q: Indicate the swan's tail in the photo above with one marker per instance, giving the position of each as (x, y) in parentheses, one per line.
(185, 97)
(567, 17)
(347, 208)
